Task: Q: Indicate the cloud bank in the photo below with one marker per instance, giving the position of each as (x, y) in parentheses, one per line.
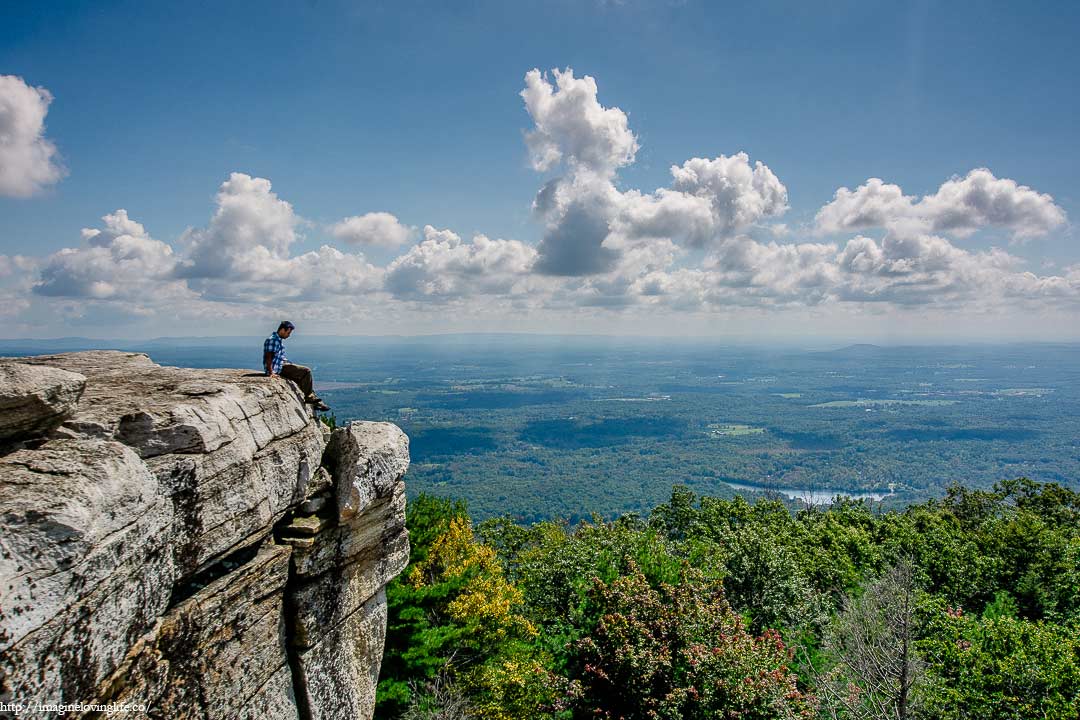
(628, 248)
(690, 247)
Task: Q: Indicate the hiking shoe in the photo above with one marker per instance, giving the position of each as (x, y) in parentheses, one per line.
(321, 406)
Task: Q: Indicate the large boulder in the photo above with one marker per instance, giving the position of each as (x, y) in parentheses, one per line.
(365, 460)
(344, 565)
(338, 677)
(35, 400)
(85, 565)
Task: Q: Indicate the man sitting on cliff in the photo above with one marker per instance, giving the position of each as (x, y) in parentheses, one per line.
(275, 363)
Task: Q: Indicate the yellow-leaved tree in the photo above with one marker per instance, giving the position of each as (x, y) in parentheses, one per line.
(495, 661)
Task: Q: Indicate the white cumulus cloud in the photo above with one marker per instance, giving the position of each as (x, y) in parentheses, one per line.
(577, 212)
(709, 201)
(963, 205)
(443, 267)
(378, 229)
(904, 270)
(28, 160)
(872, 205)
(589, 222)
(250, 230)
(119, 261)
(243, 255)
(959, 207)
(323, 274)
(572, 125)
(738, 194)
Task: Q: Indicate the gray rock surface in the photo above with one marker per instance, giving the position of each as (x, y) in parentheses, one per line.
(35, 400)
(139, 560)
(365, 460)
(345, 542)
(344, 565)
(338, 595)
(219, 651)
(232, 449)
(85, 564)
(338, 675)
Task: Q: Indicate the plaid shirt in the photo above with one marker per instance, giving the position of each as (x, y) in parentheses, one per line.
(274, 344)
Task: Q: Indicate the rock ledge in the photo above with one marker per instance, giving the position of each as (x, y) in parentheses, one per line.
(194, 540)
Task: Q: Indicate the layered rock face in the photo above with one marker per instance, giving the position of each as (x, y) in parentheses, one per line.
(190, 540)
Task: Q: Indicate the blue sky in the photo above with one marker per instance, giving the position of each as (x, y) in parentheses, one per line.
(413, 109)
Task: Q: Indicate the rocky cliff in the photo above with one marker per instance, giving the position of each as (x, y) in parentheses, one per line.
(191, 540)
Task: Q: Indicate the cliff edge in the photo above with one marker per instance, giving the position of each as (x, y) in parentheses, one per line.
(190, 540)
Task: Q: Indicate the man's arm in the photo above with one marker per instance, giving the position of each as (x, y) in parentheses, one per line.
(268, 362)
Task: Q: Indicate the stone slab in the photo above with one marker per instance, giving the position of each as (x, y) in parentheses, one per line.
(359, 537)
(232, 449)
(339, 674)
(35, 400)
(328, 599)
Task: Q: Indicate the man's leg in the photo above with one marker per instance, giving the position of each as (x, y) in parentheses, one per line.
(301, 376)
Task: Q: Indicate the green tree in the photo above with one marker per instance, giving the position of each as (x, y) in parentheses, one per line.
(682, 615)
(679, 651)
(417, 646)
(998, 667)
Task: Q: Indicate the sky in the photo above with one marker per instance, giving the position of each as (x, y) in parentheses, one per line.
(865, 171)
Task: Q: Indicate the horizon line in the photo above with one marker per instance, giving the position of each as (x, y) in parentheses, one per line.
(797, 340)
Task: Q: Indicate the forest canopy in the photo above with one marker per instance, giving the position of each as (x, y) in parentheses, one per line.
(964, 607)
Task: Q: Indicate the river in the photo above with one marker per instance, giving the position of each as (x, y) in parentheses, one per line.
(816, 496)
